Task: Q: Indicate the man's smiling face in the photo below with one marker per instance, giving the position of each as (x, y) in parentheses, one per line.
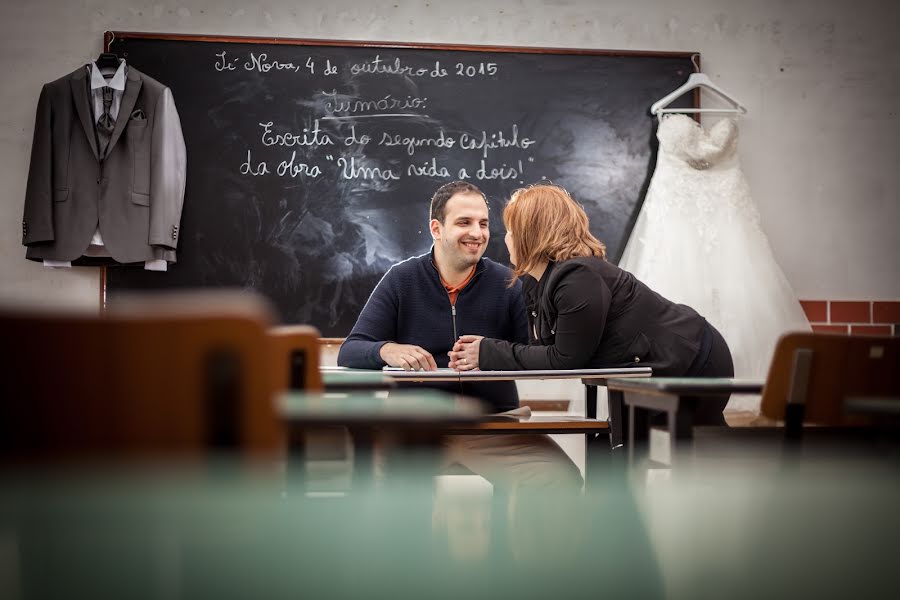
(460, 241)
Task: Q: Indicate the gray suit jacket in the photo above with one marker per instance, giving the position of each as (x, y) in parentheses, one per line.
(134, 193)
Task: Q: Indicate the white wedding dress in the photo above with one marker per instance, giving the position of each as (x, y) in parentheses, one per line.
(698, 241)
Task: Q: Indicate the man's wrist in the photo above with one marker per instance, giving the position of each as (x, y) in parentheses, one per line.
(381, 349)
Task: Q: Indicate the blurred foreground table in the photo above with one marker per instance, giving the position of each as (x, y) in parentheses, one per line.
(416, 421)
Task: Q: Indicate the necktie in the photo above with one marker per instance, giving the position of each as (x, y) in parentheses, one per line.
(106, 122)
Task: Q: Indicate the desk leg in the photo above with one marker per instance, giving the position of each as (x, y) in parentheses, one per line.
(638, 433)
(295, 466)
(618, 421)
(590, 401)
(597, 452)
(681, 426)
(363, 473)
(598, 459)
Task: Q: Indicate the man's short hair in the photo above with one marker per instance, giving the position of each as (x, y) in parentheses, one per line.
(447, 191)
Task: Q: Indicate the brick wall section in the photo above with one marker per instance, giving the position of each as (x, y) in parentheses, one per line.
(864, 317)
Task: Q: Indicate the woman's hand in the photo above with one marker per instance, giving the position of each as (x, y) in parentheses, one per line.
(464, 356)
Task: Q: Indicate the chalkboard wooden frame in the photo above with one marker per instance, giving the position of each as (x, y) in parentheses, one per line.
(110, 37)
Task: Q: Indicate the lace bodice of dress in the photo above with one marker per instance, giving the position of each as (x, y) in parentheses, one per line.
(698, 176)
(682, 138)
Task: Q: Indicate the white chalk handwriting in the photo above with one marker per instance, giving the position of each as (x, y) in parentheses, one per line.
(350, 170)
(413, 143)
(262, 63)
(485, 141)
(225, 64)
(339, 104)
(295, 168)
(310, 136)
(396, 67)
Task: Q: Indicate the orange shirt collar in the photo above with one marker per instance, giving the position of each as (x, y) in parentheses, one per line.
(454, 291)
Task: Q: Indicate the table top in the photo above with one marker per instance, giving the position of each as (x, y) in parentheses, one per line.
(446, 374)
(424, 408)
(355, 379)
(216, 532)
(421, 408)
(687, 385)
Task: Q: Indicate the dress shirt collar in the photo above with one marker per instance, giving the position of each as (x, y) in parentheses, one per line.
(116, 83)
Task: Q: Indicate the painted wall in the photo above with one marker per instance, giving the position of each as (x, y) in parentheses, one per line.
(820, 79)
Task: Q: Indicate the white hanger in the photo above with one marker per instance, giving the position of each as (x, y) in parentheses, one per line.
(696, 80)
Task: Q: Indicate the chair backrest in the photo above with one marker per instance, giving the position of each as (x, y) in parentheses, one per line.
(817, 372)
(167, 375)
(295, 357)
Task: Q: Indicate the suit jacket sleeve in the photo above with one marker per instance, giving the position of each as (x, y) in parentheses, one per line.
(582, 301)
(37, 222)
(168, 169)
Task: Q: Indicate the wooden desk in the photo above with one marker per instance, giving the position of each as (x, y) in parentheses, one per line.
(675, 396)
(595, 449)
(534, 424)
(590, 378)
(595, 432)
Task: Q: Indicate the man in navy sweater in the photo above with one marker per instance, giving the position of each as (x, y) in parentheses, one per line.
(424, 304)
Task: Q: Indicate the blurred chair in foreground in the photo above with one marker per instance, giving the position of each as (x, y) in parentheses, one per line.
(169, 375)
(835, 391)
(295, 360)
(321, 456)
(814, 374)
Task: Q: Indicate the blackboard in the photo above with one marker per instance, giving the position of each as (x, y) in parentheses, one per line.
(311, 163)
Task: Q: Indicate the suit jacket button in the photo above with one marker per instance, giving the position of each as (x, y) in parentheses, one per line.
(637, 359)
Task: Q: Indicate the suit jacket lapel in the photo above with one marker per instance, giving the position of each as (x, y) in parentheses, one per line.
(80, 96)
(132, 88)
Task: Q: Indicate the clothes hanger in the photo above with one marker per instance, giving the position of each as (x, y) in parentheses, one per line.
(107, 60)
(697, 79)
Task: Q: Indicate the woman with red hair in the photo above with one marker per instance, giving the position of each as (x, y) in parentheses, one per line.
(584, 312)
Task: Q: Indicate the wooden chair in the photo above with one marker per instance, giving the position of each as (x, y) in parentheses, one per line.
(294, 361)
(813, 374)
(295, 357)
(156, 376)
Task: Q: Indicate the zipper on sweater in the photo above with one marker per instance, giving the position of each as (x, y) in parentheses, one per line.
(462, 390)
(453, 312)
(453, 305)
